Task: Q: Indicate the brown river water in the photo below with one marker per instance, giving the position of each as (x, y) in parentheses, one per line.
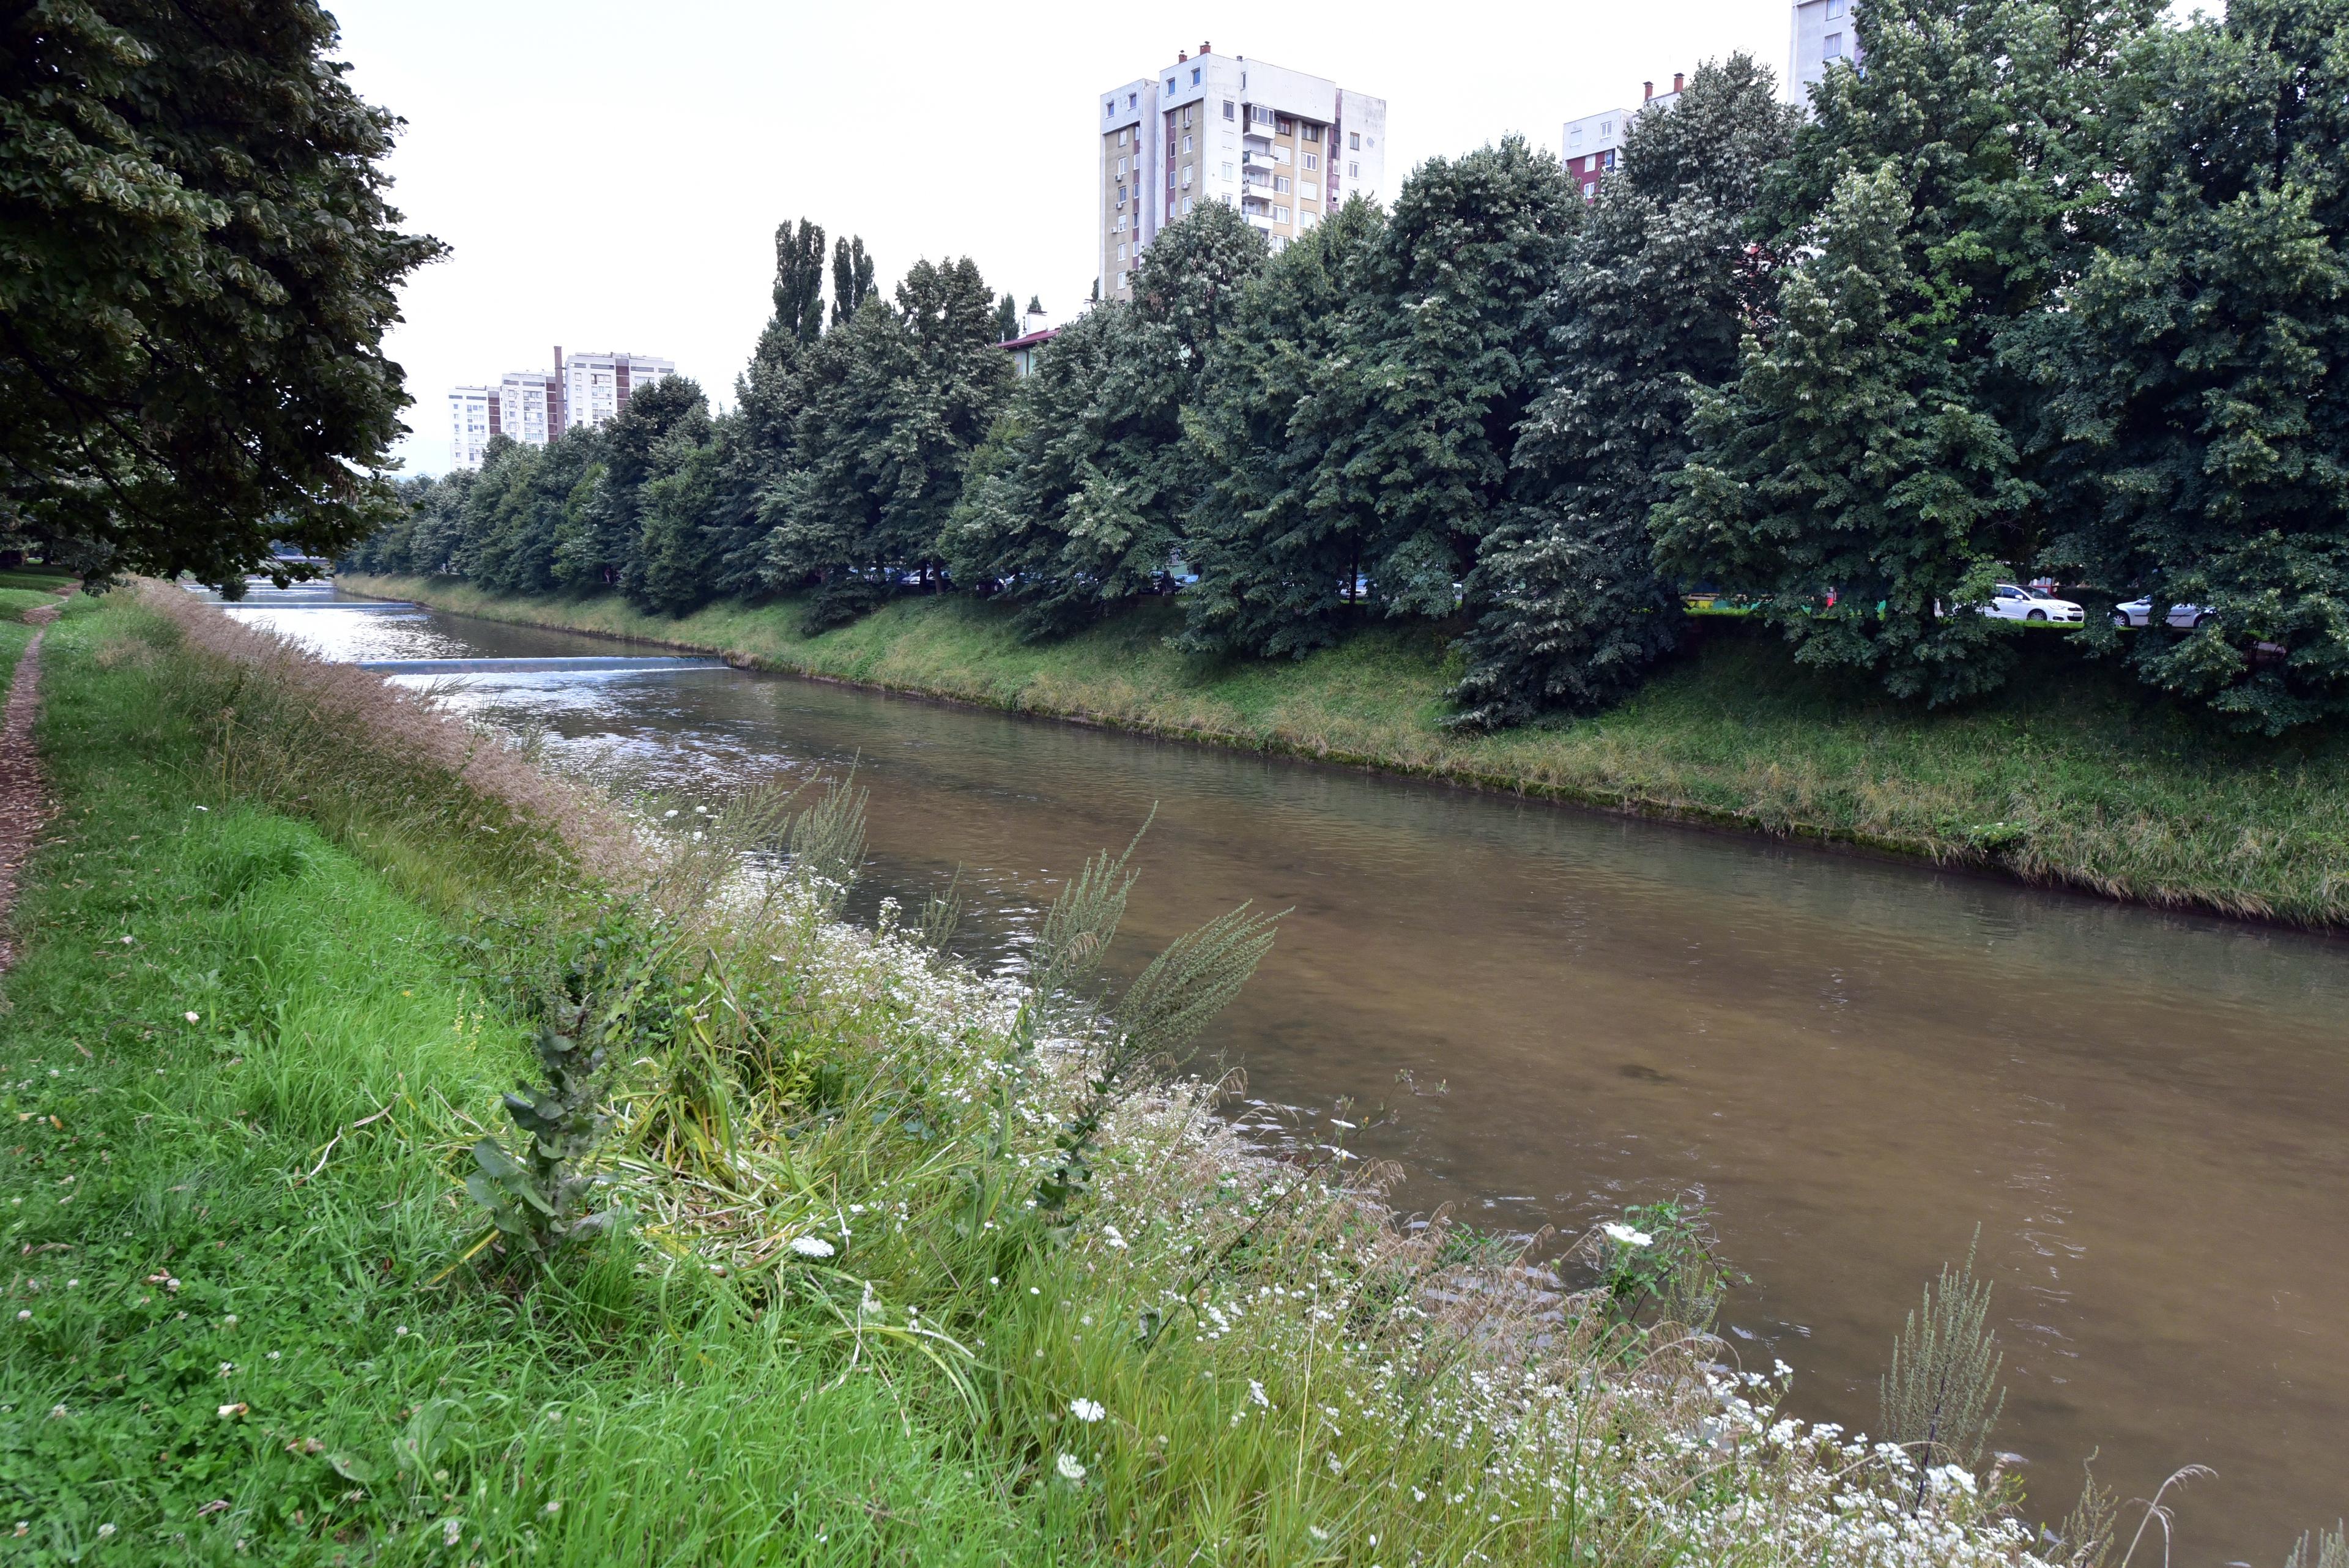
(1550, 1014)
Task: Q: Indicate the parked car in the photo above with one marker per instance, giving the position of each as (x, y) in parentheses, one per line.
(2011, 603)
(2140, 612)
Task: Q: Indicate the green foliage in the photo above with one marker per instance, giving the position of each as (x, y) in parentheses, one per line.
(539, 1201)
(2324, 1549)
(1006, 320)
(852, 278)
(1941, 1397)
(2200, 421)
(197, 270)
(1078, 502)
(1572, 611)
(1277, 538)
(1663, 1259)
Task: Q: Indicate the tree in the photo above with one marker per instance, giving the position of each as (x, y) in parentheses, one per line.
(766, 393)
(1080, 505)
(1572, 610)
(1277, 538)
(1007, 320)
(1035, 304)
(2198, 368)
(196, 268)
(688, 505)
(1450, 360)
(601, 538)
(851, 279)
(897, 399)
(1948, 193)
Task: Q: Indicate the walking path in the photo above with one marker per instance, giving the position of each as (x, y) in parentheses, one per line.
(24, 806)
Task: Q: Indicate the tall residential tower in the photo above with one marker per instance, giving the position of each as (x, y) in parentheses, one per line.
(1283, 147)
(1822, 34)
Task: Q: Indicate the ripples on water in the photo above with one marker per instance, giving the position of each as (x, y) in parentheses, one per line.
(1562, 1012)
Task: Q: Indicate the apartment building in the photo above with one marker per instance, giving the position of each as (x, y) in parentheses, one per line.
(473, 420)
(1593, 144)
(596, 387)
(1821, 34)
(1283, 147)
(530, 405)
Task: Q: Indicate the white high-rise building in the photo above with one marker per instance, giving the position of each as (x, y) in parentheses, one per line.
(530, 406)
(1283, 147)
(1591, 145)
(1821, 34)
(594, 388)
(473, 420)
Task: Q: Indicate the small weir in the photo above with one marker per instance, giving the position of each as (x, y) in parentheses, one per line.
(538, 666)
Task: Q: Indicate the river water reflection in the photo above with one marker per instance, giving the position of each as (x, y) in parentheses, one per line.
(1562, 1012)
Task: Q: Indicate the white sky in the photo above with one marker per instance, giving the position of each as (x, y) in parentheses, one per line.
(610, 174)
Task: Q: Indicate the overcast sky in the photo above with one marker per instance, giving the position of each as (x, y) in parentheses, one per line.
(610, 175)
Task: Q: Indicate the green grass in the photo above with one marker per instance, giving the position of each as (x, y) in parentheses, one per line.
(2074, 775)
(624, 1416)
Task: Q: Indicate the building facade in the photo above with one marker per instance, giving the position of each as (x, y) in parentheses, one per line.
(1282, 146)
(473, 420)
(530, 405)
(1821, 34)
(1594, 144)
(594, 388)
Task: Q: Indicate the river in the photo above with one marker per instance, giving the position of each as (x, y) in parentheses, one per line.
(1548, 1013)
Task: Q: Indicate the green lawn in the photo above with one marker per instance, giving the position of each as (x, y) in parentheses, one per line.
(2074, 775)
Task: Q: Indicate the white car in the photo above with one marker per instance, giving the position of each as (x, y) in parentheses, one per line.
(2140, 612)
(2011, 603)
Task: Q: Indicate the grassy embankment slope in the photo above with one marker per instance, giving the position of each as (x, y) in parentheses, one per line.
(2074, 775)
(276, 974)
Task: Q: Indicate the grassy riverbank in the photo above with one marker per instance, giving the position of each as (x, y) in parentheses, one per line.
(2074, 775)
(293, 934)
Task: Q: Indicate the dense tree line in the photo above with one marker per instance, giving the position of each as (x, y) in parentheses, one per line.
(2050, 286)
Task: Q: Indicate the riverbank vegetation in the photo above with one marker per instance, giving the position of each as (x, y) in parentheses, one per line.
(1851, 368)
(2076, 775)
(892, 1263)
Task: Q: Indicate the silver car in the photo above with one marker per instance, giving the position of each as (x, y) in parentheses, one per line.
(2140, 612)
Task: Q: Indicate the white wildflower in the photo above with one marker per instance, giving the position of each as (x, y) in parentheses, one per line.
(1087, 1410)
(812, 1247)
(1257, 1394)
(1628, 1236)
(192, 1018)
(450, 1530)
(1070, 1469)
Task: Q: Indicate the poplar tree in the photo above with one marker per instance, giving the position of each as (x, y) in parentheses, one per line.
(766, 391)
(851, 279)
(1652, 302)
(1006, 320)
(2201, 410)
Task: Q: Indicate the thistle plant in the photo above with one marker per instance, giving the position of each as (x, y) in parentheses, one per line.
(1941, 1397)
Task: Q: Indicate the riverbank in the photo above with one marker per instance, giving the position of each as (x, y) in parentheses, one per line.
(824, 1326)
(2073, 777)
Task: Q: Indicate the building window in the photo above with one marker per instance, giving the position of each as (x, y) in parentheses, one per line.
(1312, 160)
(1121, 135)
(1353, 141)
(1833, 47)
(1227, 172)
(1280, 184)
(1285, 126)
(1195, 76)
(1834, 9)
(1187, 205)
(1606, 127)
(1227, 108)
(1186, 144)
(1109, 109)
(1132, 99)
(1606, 159)
(1312, 133)
(1280, 214)
(1120, 168)
(1121, 250)
(1353, 171)
(1186, 176)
